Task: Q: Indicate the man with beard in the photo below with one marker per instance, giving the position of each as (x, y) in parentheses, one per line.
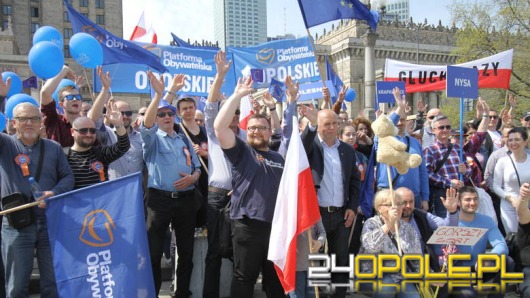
(256, 174)
(469, 218)
(173, 168)
(58, 126)
(21, 156)
(331, 159)
(88, 162)
(424, 222)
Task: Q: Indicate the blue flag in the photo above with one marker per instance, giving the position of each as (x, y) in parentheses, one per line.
(323, 11)
(115, 49)
(366, 198)
(30, 82)
(335, 80)
(277, 90)
(179, 42)
(99, 241)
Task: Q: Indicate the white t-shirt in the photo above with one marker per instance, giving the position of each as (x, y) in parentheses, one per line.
(496, 138)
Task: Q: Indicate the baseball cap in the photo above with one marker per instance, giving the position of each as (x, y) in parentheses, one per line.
(164, 104)
(62, 84)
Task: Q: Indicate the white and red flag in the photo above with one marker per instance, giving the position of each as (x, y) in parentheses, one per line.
(245, 109)
(296, 211)
(140, 32)
(494, 72)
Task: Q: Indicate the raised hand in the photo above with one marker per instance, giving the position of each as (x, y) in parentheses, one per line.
(421, 107)
(342, 93)
(5, 86)
(221, 64)
(268, 100)
(244, 86)
(179, 80)
(103, 77)
(310, 112)
(451, 200)
(292, 89)
(157, 83)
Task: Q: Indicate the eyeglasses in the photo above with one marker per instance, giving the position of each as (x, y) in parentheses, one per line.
(260, 128)
(86, 130)
(127, 113)
(141, 114)
(442, 127)
(73, 97)
(35, 119)
(164, 114)
(400, 204)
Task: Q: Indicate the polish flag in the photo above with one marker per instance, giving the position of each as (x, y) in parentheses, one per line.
(246, 111)
(296, 211)
(493, 72)
(140, 33)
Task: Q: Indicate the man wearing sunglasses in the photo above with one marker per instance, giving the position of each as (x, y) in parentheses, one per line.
(173, 168)
(443, 165)
(58, 126)
(90, 163)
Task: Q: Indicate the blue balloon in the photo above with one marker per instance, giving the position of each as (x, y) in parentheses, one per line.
(350, 95)
(16, 83)
(2, 122)
(16, 99)
(48, 33)
(86, 50)
(45, 59)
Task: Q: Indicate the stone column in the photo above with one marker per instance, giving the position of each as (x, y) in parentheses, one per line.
(369, 40)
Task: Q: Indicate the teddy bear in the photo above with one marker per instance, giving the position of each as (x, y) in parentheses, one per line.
(390, 151)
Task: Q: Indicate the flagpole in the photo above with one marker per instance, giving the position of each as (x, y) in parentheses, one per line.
(396, 226)
(310, 240)
(314, 54)
(28, 205)
(89, 87)
(200, 157)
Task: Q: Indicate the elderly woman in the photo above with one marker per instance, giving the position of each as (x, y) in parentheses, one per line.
(379, 237)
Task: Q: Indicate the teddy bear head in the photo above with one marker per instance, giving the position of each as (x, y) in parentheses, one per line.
(384, 127)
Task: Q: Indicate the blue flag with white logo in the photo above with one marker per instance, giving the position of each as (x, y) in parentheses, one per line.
(99, 241)
(323, 11)
(115, 49)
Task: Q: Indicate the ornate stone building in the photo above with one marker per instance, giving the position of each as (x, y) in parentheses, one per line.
(345, 46)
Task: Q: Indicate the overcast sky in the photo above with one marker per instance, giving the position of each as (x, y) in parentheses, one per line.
(193, 19)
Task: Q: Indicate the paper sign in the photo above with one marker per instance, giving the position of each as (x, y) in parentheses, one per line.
(457, 235)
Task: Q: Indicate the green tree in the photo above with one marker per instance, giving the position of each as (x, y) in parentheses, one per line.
(489, 27)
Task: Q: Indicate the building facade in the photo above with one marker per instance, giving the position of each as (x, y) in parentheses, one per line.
(398, 10)
(28, 15)
(345, 46)
(240, 23)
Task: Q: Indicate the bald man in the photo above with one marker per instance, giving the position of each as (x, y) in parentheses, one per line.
(338, 199)
(90, 164)
(132, 161)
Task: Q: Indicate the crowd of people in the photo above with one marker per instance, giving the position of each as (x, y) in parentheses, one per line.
(194, 167)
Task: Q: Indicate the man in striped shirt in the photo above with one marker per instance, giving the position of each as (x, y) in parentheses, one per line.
(90, 163)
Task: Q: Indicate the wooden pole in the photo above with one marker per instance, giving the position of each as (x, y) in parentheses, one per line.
(28, 205)
(396, 225)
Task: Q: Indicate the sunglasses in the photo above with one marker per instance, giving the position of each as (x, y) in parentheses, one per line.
(127, 113)
(141, 114)
(84, 131)
(164, 114)
(494, 117)
(73, 97)
(442, 127)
